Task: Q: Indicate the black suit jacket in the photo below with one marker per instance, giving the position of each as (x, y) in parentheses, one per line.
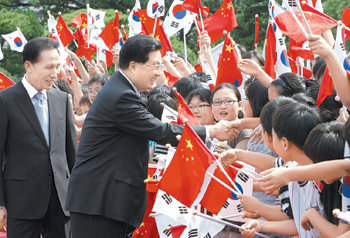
(29, 165)
(112, 161)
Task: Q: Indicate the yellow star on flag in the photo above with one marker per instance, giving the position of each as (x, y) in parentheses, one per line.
(189, 145)
(157, 37)
(60, 27)
(229, 48)
(229, 5)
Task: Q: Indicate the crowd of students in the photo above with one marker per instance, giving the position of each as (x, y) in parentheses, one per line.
(300, 149)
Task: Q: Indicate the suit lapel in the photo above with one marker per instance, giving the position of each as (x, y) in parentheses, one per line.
(25, 104)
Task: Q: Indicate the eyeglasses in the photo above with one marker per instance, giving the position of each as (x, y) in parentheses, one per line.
(227, 102)
(200, 107)
(158, 67)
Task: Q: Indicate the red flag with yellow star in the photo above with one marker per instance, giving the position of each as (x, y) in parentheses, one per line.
(194, 6)
(184, 177)
(64, 32)
(184, 112)
(223, 19)
(79, 20)
(5, 81)
(147, 22)
(164, 40)
(270, 52)
(83, 49)
(110, 34)
(170, 78)
(228, 71)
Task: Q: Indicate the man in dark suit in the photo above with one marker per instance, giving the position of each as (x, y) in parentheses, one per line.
(37, 147)
(106, 192)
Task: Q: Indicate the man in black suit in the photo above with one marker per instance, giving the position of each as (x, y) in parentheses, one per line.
(37, 147)
(106, 192)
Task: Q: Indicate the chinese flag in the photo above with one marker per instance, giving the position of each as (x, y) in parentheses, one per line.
(228, 71)
(110, 34)
(5, 81)
(184, 177)
(116, 19)
(147, 22)
(171, 79)
(176, 231)
(346, 20)
(223, 19)
(270, 52)
(83, 49)
(216, 194)
(256, 39)
(79, 20)
(64, 32)
(124, 33)
(164, 40)
(184, 112)
(326, 87)
(194, 6)
(290, 27)
(109, 58)
(148, 227)
(198, 68)
(296, 50)
(294, 67)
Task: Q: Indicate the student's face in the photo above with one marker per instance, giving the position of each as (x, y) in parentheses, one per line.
(44, 72)
(202, 110)
(273, 92)
(228, 112)
(94, 88)
(145, 75)
(247, 108)
(84, 108)
(268, 140)
(279, 146)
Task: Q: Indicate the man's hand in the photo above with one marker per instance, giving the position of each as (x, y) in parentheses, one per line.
(3, 218)
(223, 131)
(273, 179)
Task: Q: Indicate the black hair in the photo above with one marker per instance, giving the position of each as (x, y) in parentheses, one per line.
(160, 89)
(257, 95)
(329, 109)
(347, 131)
(137, 49)
(85, 88)
(288, 84)
(186, 85)
(34, 47)
(202, 77)
(254, 55)
(318, 68)
(202, 93)
(241, 49)
(99, 78)
(154, 107)
(269, 109)
(325, 142)
(63, 85)
(302, 98)
(84, 100)
(230, 86)
(294, 121)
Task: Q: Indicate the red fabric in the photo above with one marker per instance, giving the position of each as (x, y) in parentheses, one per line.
(147, 22)
(290, 27)
(348, 73)
(198, 68)
(64, 32)
(176, 231)
(109, 58)
(116, 19)
(79, 20)
(5, 81)
(184, 177)
(216, 194)
(270, 52)
(308, 8)
(223, 19)
(83, 49)
(194, 6)
(293, 65)
(184, 112)
(228, 71)
(326, 87)
(110, 35)
(346, 20)
(296, 50)
(171, 79)
(124, 33)
(164, 40)
(148, 227)
(256, 39)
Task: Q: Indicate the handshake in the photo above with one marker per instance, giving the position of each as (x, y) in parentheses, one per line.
(225, 130)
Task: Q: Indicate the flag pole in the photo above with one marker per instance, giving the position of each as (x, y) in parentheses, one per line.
(88, 38)
(225, 223)
(155, 24)
(226, 175)
(221, 182)
(295, 18)
(298, 63)
(185, 45)
(200, 15)
(303, 16)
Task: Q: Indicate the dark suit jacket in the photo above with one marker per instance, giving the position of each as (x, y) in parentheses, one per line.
(112, 161)
(29, 165)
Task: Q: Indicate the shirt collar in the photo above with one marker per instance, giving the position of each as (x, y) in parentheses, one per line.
(31, 90)
(133, 86)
